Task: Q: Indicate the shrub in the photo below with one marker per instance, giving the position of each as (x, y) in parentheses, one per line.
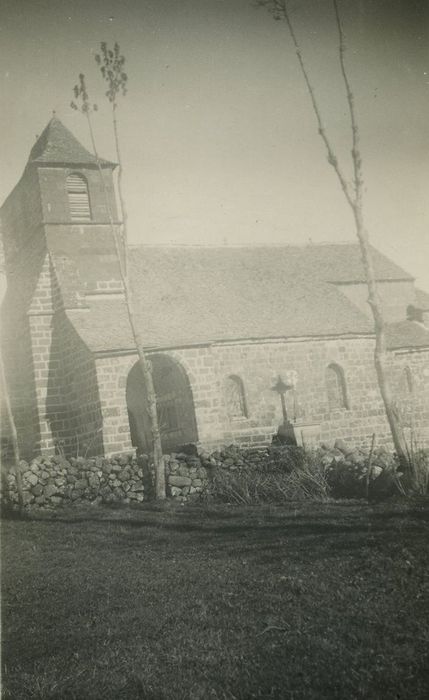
(350, 474)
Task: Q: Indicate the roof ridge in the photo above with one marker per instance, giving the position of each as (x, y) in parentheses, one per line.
(247, 246)
(57, 144)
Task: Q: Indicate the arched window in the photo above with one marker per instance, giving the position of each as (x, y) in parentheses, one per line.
(407, 381)
(336, 387)
(235, 399)
(77, 192)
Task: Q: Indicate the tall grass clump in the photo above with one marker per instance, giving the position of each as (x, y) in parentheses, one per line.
(253, 485)
(420, 471)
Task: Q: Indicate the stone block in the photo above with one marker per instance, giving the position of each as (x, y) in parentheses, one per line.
(94, 481)
(124, 475)
(56, 500)
(50, 490)
(179, 480)
(30, 478)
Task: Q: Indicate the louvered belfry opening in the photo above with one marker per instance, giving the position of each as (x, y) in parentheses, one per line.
(77, 191)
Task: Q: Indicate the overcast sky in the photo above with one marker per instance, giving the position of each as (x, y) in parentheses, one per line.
(219, 141)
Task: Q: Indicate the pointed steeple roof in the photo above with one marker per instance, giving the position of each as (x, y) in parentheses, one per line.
(57, 144)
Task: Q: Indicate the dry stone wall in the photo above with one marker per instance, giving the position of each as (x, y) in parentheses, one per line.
(54, 481)
(51, 482)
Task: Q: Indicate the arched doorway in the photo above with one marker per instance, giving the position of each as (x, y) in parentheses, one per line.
(175, 405)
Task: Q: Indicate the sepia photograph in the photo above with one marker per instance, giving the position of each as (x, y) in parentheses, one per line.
(214, 349)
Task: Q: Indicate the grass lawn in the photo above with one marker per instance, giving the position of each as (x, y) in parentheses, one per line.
(321, 601)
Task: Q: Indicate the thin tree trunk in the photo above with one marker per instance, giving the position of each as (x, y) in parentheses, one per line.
(14, 437)
(369, 467)
(354, 199)
(380, 350)
(145, 364)
(120, 172)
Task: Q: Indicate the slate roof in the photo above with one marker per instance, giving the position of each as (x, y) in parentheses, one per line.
(214, 294)
(56, 144)
(407, 334)
(342, 263)
(190, 295)
(104, 326)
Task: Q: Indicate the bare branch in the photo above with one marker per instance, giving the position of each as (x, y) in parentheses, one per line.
(280, 10)
(356, 157)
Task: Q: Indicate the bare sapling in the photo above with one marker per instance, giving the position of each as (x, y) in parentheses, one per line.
(353, 194)
(82, 97)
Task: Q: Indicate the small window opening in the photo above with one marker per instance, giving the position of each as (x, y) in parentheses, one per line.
(77, 192)
(235, 398)
(336, 387)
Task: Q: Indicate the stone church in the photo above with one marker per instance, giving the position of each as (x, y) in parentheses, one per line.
(225, 328)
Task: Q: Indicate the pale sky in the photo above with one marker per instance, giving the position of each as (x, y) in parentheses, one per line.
(219, 141)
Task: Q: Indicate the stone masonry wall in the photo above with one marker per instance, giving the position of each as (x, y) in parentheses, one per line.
(21, 216)
(50, 374)
(73, 404)
(26, 336)
(410, 377)
(52, 183)
(259, 365)
(55, 481)
(112, 375)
